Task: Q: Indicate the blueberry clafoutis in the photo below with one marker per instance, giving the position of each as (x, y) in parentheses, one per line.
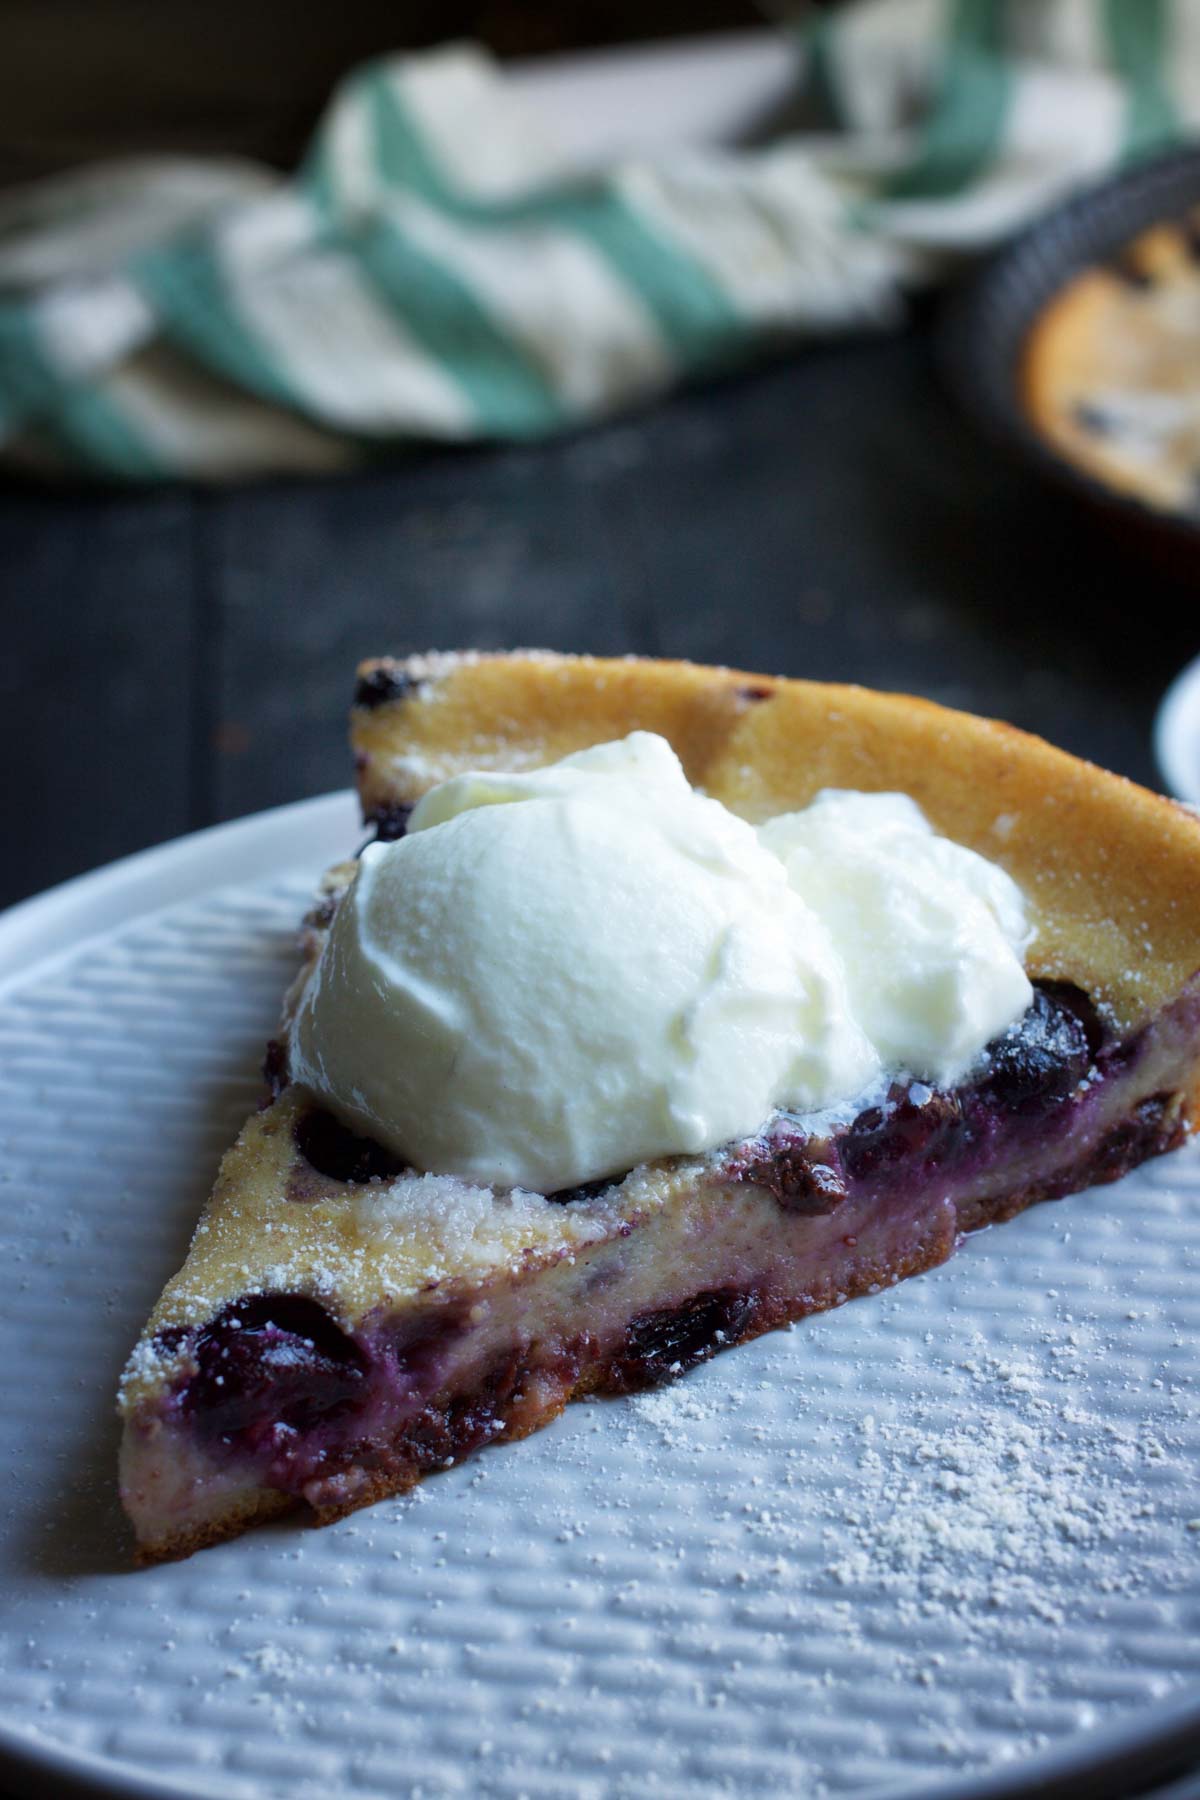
(668, 1005)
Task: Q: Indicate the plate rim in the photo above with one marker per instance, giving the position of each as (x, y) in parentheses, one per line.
(62, 919)
(1177, 722)
(1118, 1754)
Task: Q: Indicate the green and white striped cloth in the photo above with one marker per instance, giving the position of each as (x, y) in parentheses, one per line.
(436, 270)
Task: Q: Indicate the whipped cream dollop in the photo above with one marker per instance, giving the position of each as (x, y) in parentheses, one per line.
(556, 975)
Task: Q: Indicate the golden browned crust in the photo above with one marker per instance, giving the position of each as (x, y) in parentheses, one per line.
(1117, 342)
(1112, 871)
(258, 1508)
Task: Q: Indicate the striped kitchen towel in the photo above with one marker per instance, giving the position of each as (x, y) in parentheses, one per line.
(437, 270)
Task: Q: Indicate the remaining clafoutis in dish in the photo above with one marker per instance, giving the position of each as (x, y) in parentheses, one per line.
(1111, 371)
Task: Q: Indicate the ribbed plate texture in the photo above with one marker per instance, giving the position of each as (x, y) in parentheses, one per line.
(939, 1529)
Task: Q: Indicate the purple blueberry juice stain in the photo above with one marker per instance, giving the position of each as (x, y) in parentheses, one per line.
(915, 1126)
(586, 1190)
(802, 1172)
(664, 1343)
(415, 1349)
(390, 822)
(338, 1153)
(1027, 1074)
(269, 1370)
(1040, 1061)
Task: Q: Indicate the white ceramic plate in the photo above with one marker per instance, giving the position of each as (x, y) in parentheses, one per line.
(1177, 735)
(949, 1530)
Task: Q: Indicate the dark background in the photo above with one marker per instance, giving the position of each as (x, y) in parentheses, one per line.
(85, 79)
(182, 656)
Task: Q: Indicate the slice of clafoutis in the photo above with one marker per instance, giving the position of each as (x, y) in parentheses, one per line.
(343, 1326)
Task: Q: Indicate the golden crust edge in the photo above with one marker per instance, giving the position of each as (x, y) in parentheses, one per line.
(1113, 870)
(258, 1507)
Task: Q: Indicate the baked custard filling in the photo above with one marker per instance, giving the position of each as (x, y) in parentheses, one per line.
(804, 1214)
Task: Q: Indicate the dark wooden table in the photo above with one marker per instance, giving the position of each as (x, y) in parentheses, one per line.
(179, 657)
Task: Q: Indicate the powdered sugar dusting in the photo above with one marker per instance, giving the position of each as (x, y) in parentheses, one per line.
(461, 1229)
(991, 1507)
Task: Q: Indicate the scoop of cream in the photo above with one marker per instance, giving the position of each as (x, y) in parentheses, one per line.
(556, 975)
(928, 933)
